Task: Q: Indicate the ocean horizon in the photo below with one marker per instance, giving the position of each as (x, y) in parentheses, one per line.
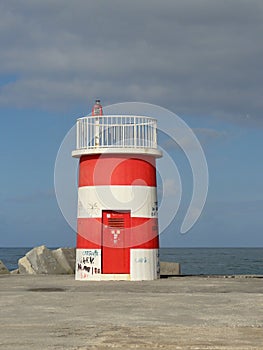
(194, 261)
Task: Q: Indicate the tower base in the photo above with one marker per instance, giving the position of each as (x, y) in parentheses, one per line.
(144, 265)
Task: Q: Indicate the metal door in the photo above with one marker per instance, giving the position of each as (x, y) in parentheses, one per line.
(115, 241)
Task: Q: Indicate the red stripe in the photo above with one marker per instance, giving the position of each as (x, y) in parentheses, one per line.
(83, 243)
(117, 170)
(89, 233)
(142, 233)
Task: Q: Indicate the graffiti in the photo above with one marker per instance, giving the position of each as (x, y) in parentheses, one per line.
(93, 209)
(91, 252)
(88, 260)
(154, 211)
(88, 263)
(89, 210)
(158, 262)
(143, 260)
(89, 269)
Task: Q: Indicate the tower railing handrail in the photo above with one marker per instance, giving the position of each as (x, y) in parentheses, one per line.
(116, 131)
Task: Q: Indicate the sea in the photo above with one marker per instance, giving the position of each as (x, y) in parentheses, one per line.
(194, 261)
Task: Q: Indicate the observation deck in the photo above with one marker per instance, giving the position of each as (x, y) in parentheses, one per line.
(116, 134)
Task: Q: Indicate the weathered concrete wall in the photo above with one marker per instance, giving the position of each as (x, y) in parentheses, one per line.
(169, 268)
(3, 268)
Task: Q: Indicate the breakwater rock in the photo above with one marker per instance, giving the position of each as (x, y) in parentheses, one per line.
(41, 260)
(3, 269)
(169, 269)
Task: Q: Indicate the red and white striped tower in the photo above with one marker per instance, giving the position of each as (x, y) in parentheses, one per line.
(117, 236)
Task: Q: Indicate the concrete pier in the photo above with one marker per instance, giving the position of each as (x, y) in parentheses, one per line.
(57, 312)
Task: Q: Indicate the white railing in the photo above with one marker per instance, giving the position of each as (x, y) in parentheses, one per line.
(116, 131)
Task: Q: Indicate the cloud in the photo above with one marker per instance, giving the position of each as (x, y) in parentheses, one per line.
(36, 196)
(206, 135)
(195, 58)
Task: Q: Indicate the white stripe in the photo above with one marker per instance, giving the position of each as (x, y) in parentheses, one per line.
(144, 264)
(141, 200)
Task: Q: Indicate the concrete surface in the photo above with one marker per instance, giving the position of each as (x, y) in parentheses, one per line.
(57, 312)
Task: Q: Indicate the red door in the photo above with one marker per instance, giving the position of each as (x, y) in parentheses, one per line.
(115, 239)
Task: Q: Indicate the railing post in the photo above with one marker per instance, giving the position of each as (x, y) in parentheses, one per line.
(87, 133)
(135, 132)
(97, 132)
(77, 135)
(155, 134)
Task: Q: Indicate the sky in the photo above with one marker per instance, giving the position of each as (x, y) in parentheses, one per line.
(201, 60)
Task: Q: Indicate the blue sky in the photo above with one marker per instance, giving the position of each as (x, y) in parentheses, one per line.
(201, 60)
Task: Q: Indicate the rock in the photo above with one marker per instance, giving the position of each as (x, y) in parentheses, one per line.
(3, 269)
(169, 268)
(25, 267)
(41, 260)
(66, 257)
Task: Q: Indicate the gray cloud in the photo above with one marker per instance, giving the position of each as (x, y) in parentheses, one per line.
(31, 197)
(197, 58)
(206, 135)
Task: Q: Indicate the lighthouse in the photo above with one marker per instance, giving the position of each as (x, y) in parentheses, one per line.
(117, 219)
